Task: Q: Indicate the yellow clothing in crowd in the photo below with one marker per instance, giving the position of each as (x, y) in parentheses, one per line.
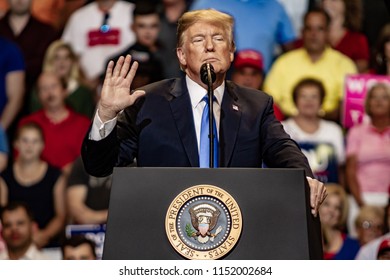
(296, 65)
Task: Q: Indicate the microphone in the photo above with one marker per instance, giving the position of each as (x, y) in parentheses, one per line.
(207, 73)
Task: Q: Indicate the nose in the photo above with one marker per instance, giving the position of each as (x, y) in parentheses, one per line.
(209, 44)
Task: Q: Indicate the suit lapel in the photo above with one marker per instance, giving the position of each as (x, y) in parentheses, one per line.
(182, 114)
(229, 124)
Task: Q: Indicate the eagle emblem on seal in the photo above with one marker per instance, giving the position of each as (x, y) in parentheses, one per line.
(204, 218)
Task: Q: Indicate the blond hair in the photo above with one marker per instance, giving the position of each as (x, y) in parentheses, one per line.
(211, 16)
(336, 189)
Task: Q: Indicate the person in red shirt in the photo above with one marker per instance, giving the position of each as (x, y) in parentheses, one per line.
(63, 129)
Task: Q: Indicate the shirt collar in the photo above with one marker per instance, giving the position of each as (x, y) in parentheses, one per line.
(197, 92)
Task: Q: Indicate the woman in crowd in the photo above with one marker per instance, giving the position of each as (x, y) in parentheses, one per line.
(61, 59)
(321, 140)
(333, 213)
(381, 60)
(368, 153)
(344, 35)
(369, 223)
(33, 181)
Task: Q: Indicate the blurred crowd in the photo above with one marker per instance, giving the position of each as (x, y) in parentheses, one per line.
(53, 55)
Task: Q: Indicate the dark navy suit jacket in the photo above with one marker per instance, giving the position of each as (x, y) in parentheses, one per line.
(158, 130)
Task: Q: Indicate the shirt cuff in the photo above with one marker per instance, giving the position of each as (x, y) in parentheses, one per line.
(99, 129)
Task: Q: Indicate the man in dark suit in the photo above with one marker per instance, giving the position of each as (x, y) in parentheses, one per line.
(159, 125)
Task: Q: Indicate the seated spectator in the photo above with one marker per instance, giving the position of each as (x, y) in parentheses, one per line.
(248, 71)
(321, 141)
(146, 50)
(31, 35)
(333, 213)
(369, 224)
(368, 154)
(96, 32)
(344, 31)
(18, 227)
(369, 251)
(78, 247)
(384, 250)
(61, 60)
(315, 59)
(12, 76)
(381, 59)
(63, 129)
(36, 183)
(87, 196)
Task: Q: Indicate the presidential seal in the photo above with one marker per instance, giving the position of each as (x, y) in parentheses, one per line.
(203, 222)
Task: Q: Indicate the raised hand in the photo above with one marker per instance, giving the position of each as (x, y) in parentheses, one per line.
(115, 95)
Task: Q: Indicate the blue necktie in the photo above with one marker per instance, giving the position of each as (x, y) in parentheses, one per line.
(204, 154)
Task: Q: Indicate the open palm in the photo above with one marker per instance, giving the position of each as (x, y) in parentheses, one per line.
(115, 95)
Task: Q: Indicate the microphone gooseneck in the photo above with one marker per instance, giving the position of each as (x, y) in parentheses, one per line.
(207, 73)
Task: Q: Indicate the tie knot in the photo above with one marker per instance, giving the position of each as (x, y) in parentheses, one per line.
(206, 98)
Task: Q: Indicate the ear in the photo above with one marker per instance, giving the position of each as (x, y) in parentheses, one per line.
(181, 56)
(231, 56)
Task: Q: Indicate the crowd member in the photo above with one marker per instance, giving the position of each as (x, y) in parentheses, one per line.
(369, 250)
(63, 129)
(164, 127)
(369, 223)
(98, 31)
(87, 196)
(321, 141)
(384, 250)
(78, 247)
(368, 153)
(17, 232)
(171, 11)
(31, 35)
(36, 183)
(315, 59)
(62, 60)
(146, 50)
(334, 211)
(248, 71)
(259, 25)
(344, 31)
(381, 58)
(12, 74)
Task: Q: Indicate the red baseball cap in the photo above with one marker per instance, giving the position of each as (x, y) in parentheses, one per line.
(384, 246)
(249, 58)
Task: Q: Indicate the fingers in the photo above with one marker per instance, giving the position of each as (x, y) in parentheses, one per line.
(118, 66)
(126, 66)
(109, 69)
(132, 72)
(137, 94)
(317, 194)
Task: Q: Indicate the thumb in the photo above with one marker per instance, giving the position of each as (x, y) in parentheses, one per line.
(136, 94)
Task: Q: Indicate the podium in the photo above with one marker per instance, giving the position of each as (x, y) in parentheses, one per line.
(274, 203)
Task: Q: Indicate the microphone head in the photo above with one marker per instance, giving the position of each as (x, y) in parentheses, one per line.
(204, 76)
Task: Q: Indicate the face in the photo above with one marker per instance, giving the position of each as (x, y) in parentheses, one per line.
(20, 7)
(334, 8)
(29, 144)
(146, 28)
(315, 33)
(248, 77)
(81, 252)
(370, 229)
(308, 101)
(17, 229)
(51, 92)
(330, 210)
(62, 62)
(379, 102)
(204, 42)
